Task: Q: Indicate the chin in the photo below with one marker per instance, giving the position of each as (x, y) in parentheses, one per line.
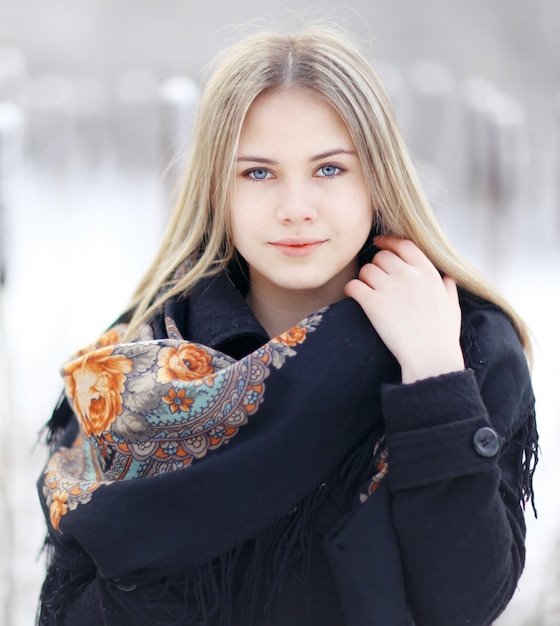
(298, 284)
(314, 288)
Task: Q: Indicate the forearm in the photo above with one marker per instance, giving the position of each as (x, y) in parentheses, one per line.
(457, 512)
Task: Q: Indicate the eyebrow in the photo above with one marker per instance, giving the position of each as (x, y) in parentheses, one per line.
(317, 157)
(329, 153)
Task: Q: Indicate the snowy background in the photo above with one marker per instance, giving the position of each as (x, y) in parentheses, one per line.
(95, 102)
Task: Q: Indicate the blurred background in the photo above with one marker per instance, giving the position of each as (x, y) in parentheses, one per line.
(96, 103)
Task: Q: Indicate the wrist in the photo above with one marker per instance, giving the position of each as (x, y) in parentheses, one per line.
(429, 368)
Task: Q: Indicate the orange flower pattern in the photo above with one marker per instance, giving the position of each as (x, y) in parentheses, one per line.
(293, 336)
(58, 507)
(111, 337)
(95, 383)
(65, 485)
(185, 362)
(177, 400)
(153, 406)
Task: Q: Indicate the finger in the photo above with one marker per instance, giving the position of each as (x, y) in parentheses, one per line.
(358, 290)
(373, 275)
(407, 250)
(388, 261)
(451, 287)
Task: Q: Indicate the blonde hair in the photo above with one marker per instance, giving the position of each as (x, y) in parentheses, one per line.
(328, 63)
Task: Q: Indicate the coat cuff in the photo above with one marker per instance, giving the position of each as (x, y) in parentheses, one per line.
(437, 429)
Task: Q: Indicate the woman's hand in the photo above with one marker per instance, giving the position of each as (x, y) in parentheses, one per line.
(415, 311)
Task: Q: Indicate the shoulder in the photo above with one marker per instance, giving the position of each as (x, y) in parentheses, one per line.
(494, 352)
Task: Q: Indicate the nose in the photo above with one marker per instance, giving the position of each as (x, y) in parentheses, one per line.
(296, 203)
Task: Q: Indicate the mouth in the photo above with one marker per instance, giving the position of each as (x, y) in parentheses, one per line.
(297, 247)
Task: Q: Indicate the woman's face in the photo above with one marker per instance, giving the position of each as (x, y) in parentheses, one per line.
(301, 207)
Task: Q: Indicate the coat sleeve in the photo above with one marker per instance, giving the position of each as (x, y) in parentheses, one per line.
(462, 448)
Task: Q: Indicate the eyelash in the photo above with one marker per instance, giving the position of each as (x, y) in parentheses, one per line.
(336, 167)
(250, 173)
(256, 169)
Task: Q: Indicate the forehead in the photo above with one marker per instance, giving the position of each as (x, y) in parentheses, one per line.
(295, 116)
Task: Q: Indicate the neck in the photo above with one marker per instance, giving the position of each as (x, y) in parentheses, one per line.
(281, 311)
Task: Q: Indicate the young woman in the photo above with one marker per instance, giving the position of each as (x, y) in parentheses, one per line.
(314, 413)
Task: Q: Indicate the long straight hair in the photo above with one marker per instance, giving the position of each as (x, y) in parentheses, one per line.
(329, 64)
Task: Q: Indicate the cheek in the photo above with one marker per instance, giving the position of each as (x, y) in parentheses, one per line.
(235, 214)
(242, 226)
(359, 227)
(358, 212)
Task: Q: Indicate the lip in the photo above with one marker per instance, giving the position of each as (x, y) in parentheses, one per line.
(297, 246)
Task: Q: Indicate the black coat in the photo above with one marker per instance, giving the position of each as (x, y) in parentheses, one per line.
(440, 542)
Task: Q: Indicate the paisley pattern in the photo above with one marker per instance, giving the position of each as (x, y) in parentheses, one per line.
(381, 456)
(154, 406)
(65, 485)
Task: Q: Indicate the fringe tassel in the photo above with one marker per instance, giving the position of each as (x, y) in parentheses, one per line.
(61, 587)
(523, 433)
(527, 438)
(238, 587)
(53, 430)
(282, 550)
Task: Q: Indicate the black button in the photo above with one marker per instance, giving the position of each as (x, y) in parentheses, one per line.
(486, 441)
(124, 586)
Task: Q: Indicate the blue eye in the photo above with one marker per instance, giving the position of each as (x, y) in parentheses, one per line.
(328, 170)
(258, 174)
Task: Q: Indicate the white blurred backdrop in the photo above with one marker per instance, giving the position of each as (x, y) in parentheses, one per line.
(96, 102)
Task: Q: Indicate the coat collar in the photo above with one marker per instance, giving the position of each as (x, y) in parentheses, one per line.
(215, 314)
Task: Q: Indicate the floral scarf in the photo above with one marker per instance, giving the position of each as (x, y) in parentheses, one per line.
(178, 453)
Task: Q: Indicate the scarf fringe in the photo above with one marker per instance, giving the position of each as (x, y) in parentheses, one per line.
(53, 430)
(62, 586)
(526, 439)
(523, 433)
(212, 594)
